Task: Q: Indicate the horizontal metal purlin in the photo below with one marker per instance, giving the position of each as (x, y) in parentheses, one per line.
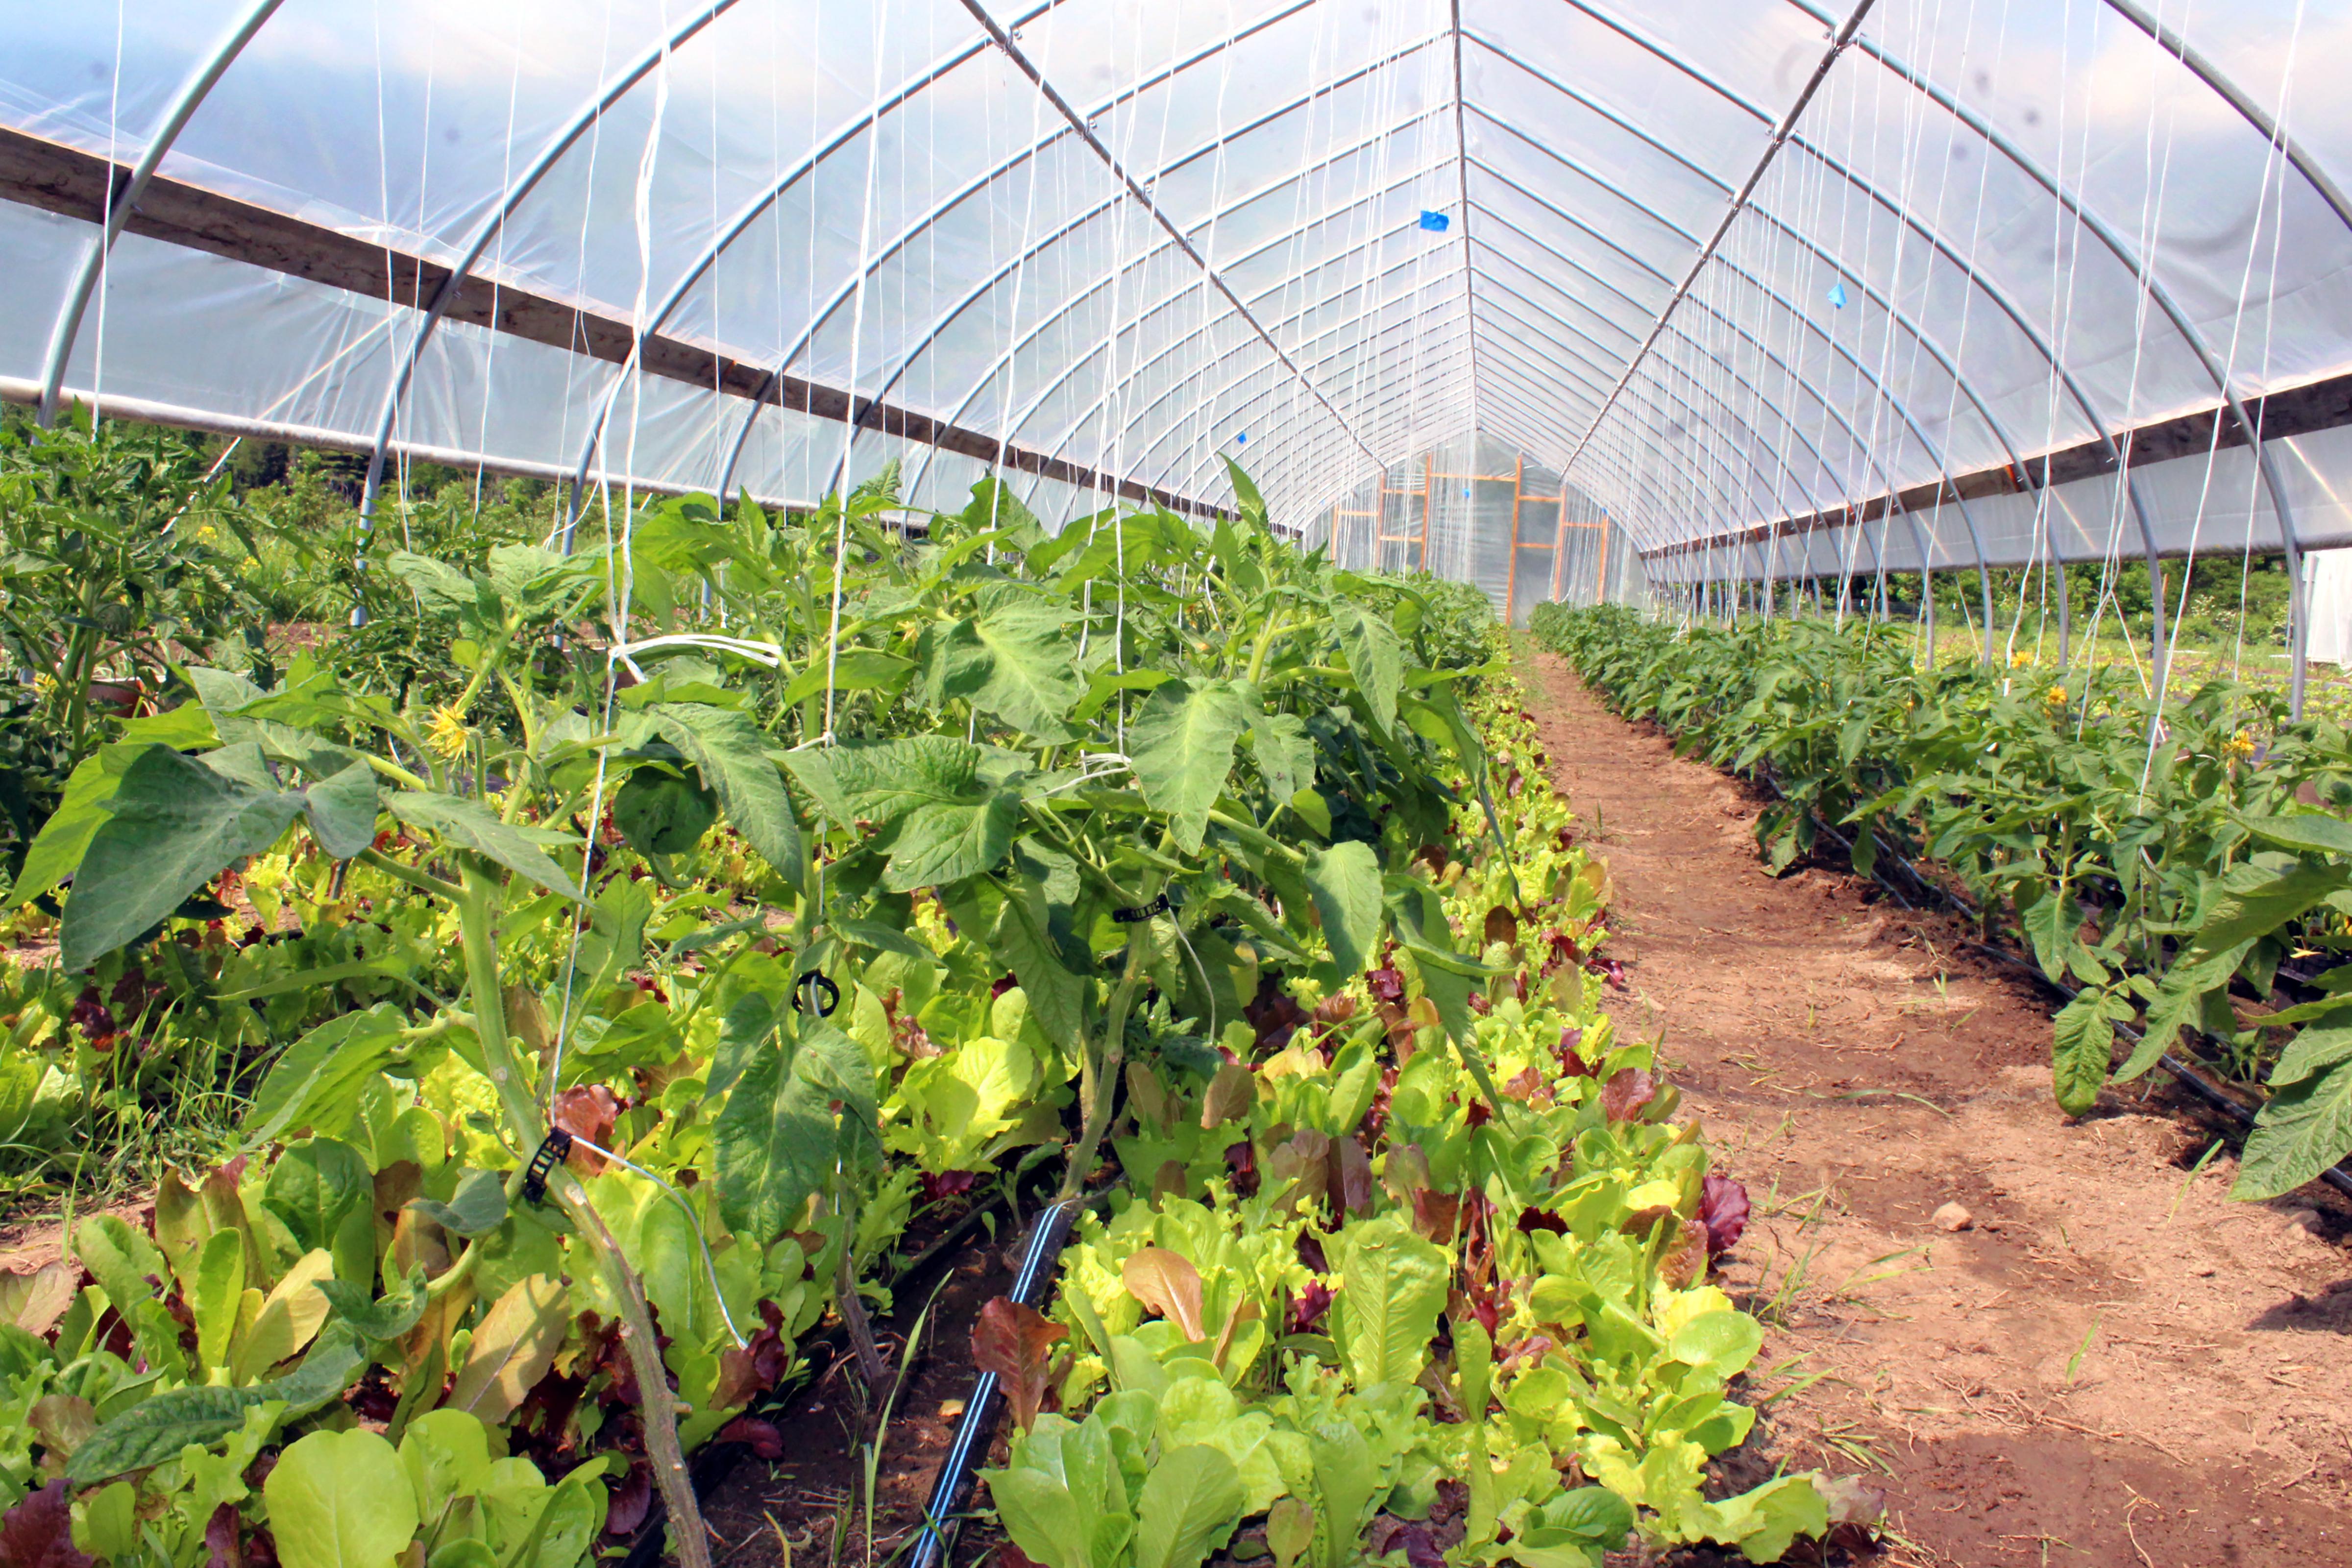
(53, 177)
(2294, 411)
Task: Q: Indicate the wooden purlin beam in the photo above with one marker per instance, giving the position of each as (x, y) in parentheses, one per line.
(37, 173)
(1555, 544)
(2325, 404)
(145, 411)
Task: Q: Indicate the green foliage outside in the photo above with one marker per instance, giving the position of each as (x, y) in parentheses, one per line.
(2233, 604)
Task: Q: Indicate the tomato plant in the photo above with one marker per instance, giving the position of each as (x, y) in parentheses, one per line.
(2151, 859)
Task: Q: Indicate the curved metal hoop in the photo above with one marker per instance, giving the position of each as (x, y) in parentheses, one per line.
(192, 95)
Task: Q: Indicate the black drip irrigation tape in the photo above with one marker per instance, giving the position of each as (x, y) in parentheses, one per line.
(2195, 1082)
(941, 1515)
(710, 1469)
(2190, 1079)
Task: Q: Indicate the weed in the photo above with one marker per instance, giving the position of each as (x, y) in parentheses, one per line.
(1844, 1440)
(1853, 1283)
(2189, 1180)
(2074, 1362)
(1777, 1308)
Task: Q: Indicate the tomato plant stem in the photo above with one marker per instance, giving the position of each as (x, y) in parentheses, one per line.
(1098, 1072)
(477, 906)
(870, 1364)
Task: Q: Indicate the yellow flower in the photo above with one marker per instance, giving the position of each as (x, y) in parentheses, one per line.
(448, 736)
(2020, 660)
(45, 683)
(2055, 696)
(2238, 747)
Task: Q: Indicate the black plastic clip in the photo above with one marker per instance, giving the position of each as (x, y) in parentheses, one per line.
(1128, 917)
(814, 985)
(551, 1154)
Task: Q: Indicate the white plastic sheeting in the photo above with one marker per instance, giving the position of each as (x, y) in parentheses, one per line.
(1328, 237)
(2207, 507)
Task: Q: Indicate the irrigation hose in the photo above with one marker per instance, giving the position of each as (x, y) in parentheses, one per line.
(2195, 1082)
(2198, 1085)
(940, 1517)
(712, 1465)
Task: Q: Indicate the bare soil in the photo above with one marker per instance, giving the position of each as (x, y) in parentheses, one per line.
(816, 1496)
(2112, 1364)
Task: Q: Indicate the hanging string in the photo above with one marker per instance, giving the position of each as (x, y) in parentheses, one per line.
(619, 584)
(2271, 294)
(856, 348)
(114, 151)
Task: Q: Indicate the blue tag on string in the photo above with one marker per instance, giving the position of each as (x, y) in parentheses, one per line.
(1436, 223)
(1837, 295)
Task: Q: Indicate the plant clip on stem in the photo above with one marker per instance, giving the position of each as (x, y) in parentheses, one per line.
(553, 1151)
(1140, 912)
(816, 993)
(937, 1533)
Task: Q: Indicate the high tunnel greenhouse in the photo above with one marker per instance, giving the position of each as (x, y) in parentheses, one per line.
(1175, 783)
(1564, 299)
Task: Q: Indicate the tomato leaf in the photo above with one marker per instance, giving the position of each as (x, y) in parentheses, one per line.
(319, 1076)
(730, 752)
(1022, 936)
(2081, 1050)
(2305, 1128)
(778, 1138)
(1345, 883)
(1013, 662)
(465, 825)
(1181, 744)
(1374, 658)
(173, 825)
(941, 843)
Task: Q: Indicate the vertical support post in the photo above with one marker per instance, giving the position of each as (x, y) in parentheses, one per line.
(1558, 538)
(1428, 501)
(1600, 573)
(2065, 611)
(1927, 598)
(1511, 575)
(2298, 630)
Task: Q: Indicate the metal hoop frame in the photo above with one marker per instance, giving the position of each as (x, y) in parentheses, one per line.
(1846, 33)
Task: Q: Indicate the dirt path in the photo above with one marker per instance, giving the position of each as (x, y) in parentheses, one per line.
(2112, 1364)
